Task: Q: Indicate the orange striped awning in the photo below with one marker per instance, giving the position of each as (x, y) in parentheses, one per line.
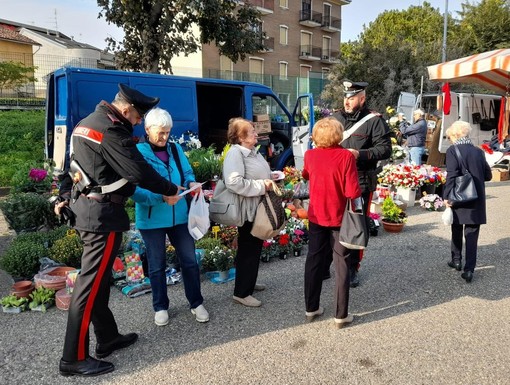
(489, 69)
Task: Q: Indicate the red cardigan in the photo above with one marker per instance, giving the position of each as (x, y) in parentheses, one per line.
(333, 179)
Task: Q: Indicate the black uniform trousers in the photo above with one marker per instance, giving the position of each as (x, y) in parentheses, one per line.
(91, 293)
(320, 242)
(247, 261)
(470, 233)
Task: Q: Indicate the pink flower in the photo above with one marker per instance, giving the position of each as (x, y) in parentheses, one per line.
(37, 174)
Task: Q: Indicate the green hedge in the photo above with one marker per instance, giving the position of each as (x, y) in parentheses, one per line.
(21, 142)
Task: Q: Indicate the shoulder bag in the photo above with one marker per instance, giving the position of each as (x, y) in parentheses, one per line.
(464, 189)
(225, 206)
(270, 215)
(354, 230)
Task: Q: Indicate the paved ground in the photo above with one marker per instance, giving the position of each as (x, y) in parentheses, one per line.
(417, 322)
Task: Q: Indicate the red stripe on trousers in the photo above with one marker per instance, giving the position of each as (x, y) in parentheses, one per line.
(85, 322)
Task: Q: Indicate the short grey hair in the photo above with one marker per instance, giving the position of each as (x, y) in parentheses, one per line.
(459, 129)
(419, 111)
(158, 117)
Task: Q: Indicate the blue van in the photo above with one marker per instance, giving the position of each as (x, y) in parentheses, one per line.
(198, 105)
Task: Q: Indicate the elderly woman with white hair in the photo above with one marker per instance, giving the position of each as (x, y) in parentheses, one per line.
(416, 135)
(467, 217)
(158, 216)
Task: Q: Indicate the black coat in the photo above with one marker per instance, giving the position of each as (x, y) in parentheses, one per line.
(472, 213)
(103, 146)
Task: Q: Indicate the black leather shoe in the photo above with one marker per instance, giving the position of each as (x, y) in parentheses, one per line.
(89, 367)
(120, 342)
(467, 275)
(455, 265)
(354, 280)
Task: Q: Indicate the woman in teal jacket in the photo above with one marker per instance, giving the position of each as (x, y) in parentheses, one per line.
(159, 216)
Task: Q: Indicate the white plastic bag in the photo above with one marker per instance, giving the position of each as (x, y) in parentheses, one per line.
(447, 216)
(198, 217)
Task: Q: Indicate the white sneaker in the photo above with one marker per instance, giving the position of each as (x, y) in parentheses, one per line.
(161, 318)
(200, 313)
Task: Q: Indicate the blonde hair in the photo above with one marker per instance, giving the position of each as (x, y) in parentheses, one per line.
(327, 132)
(458, 129)
(238, 129)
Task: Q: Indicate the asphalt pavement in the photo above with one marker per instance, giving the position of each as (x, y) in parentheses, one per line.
(416, 322)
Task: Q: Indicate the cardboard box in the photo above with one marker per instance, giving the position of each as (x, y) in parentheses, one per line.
(262, 127)
(499, 175)
(260, 117)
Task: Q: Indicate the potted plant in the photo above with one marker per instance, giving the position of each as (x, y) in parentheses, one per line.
(13, 304)
(393, 217)
(222, 258)
(431, 202)
(67, 250)
(270, 249)
(41, 299)
(206, 164)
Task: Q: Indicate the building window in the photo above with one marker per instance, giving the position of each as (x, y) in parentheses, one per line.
(326, 48)
(284, 34)
(326, 15)
(256, 69)
(283, 70)
(306, 44)
(304, 78)
(285, 98)
(226, 68)
(284, 3)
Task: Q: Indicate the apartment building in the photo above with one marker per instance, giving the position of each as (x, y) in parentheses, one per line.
(302, 41)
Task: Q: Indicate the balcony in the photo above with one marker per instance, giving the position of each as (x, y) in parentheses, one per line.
(331, 24)
(309, 53)
(267, 43)
(310, 18)
(265, 7)
(330, 57)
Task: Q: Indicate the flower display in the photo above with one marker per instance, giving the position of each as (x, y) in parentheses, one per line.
(222, 258)
(401, 175)
(433, 175)
(319, 112)
(397, 152)
(431, 202)
(37, 174)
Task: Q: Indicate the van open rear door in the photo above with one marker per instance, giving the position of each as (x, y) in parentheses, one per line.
(304, 120)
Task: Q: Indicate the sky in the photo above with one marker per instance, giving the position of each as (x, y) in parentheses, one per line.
(79, 18)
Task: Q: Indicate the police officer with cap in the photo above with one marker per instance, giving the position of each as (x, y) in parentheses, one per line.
(368, 137)
(106, 167)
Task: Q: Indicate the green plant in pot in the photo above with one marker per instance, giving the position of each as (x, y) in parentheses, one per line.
(221, 257)
(393, 217)
(207, 244)
(13, 304)
(41, 299)
(206, 164)
(67, 250)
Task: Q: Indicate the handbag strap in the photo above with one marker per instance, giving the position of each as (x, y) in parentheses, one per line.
(484, 113)
(277, 190)
(461, 160)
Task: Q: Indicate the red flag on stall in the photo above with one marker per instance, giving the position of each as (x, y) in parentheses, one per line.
(447, 99)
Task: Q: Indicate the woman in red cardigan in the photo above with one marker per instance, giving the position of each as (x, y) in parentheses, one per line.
(333, 178)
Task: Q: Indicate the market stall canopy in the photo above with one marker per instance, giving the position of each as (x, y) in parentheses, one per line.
(489, 69)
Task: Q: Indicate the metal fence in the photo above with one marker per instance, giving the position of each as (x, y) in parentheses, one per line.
(32, 95)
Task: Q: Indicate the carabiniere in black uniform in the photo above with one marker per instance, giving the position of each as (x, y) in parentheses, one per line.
(103, 146)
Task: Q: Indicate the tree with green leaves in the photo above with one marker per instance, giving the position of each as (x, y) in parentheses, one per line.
(392, 54)
(155, 31)
(485, 27)
(15, 75)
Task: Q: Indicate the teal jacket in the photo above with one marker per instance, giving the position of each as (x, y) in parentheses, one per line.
(150, 209)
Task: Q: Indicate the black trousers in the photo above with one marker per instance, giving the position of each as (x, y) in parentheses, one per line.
(247, 261)
(470, 233)
(91, 293)
(321, 240)
(355, 256)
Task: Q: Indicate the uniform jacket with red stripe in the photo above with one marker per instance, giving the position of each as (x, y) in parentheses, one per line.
(103, 145)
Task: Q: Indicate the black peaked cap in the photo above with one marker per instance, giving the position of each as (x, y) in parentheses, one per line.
(142, 103)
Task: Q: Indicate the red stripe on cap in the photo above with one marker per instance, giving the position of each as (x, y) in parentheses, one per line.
(85, 322)
(88, 133)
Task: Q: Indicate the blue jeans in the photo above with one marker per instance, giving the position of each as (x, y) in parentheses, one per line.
(184, 245)
(416, 154)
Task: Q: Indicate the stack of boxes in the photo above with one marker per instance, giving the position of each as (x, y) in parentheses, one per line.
(262, 124)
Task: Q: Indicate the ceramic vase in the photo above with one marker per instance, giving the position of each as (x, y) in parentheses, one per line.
(391, 227)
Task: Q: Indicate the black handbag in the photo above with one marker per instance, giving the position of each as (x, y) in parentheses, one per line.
(464, 189)
(476, 116)
(354, 230)
(488, 122)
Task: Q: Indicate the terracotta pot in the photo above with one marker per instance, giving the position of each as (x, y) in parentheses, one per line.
(62, 299)
(391, 227)
(23, 288)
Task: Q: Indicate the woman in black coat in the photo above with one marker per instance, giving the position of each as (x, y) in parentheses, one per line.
(467, 217)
